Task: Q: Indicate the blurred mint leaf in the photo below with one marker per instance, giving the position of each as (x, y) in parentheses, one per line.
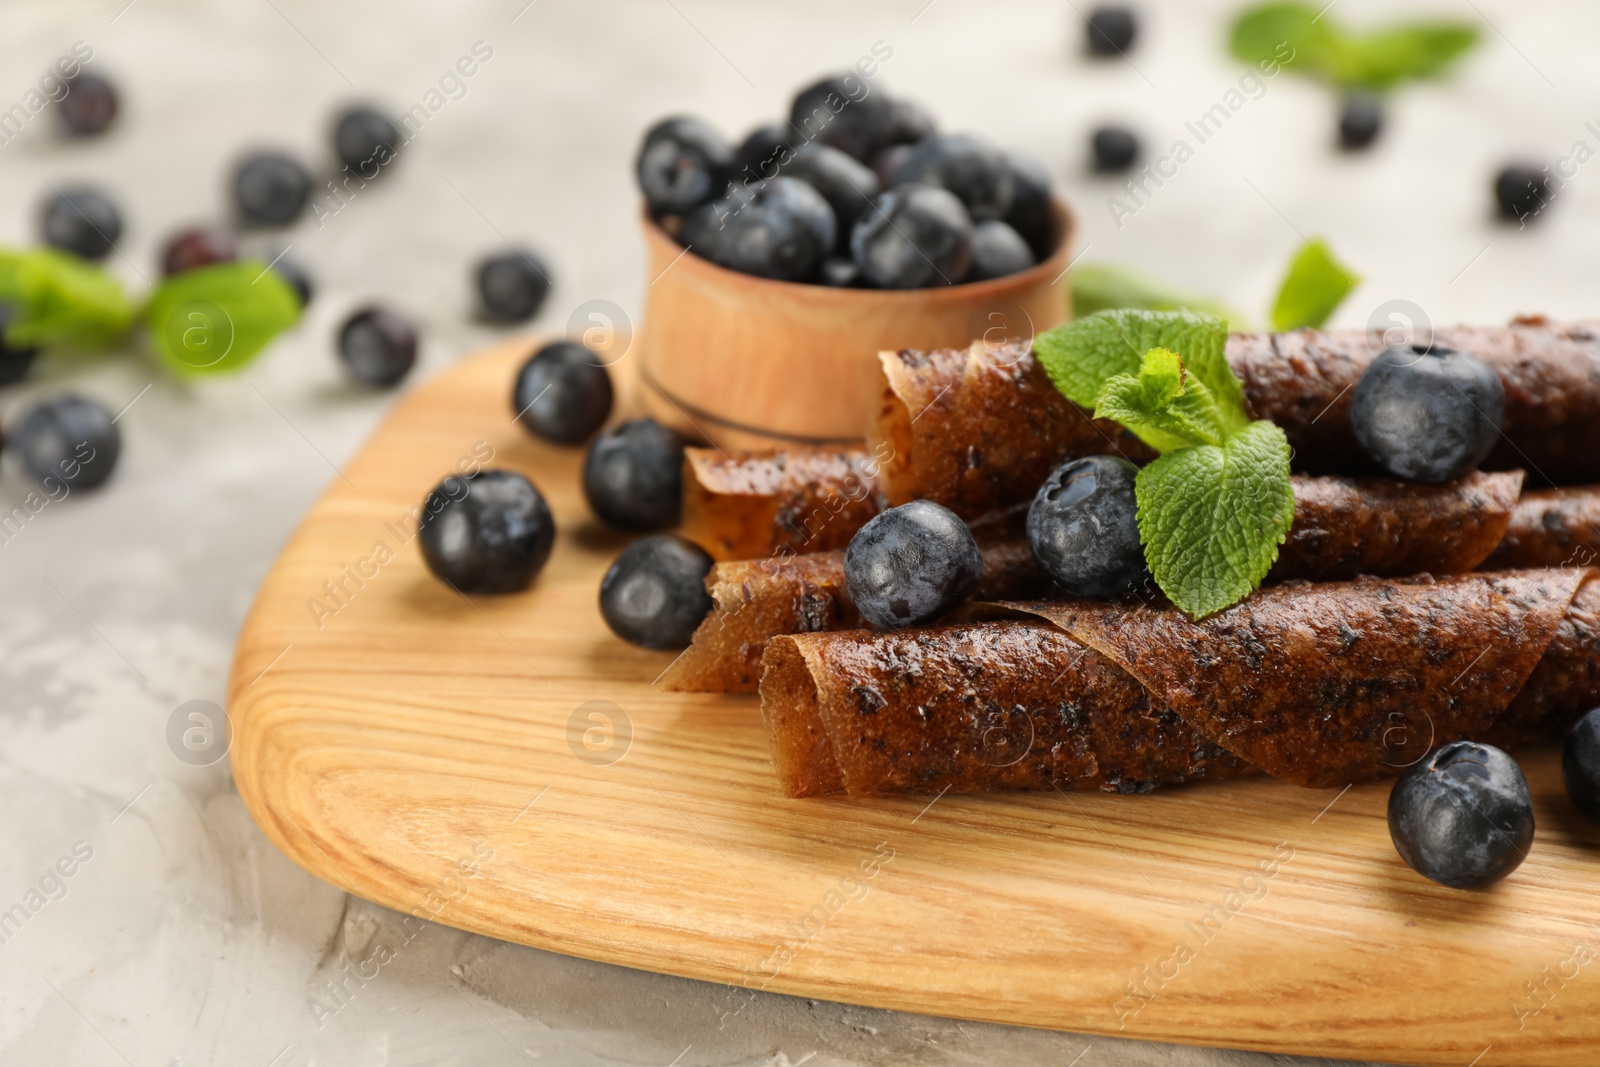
(1305, 39)
(1212, 517)
(1314, 287)
(1163, 404)
(216, 319)
(1107, 287)
(59, 299)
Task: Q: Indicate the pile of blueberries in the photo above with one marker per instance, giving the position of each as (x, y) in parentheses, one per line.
(856, 190)
(268, 189)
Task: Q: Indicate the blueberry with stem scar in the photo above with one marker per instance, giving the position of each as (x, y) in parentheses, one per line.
(911, 564)
(654, 595)
(1463, 816)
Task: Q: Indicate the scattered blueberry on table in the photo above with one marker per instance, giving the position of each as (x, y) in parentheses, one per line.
(1084, 531)
(67, 439)
(90, 105)
(911, 564)
(200, 246)
(633, 476)
(270, 188)
(378, 346)
(1521, 191)
(1462, 816)
(512, 285)
(1115, 148)
(81, 220)
(563, 393)
(1580, 764)
(487, 533)
(1427, 413)
(1360, 120)
(919, 237)
(1111, 30)
(654, 594)
(365, 140)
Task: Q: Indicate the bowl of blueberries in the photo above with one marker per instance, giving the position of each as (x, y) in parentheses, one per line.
(780, 266)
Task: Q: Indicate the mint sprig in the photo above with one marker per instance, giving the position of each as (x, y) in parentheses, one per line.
(1317, 46)
(60, 300)
(1216, 505)
(1314, 286)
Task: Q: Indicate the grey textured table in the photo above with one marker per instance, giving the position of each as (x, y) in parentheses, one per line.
(185, 938)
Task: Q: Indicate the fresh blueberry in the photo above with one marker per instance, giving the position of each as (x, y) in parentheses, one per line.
(1111, 30)
(15, 360)
(909, 123)
(69, 439)
(490, 532)
(682, 164)
(888, 163)
(1428, 414)
(849, 187)
(1032, 211)
(997, 250)
(563, 393)
(911, 564)
(512, 286)
(292, 272)
(918, 236)
(703, 227)
(633, 476)
(1580, 764)
(840, 273)
(365, 140)
(270, 188)
(844, 112)
(202, 246)
(83, 221)
(1462, 816)
(655, 595)
(1084, 530)
(968, 166)
(378, 346)
(1115, 148)
(1522, 191)
(778, 229)
(1360, 120)
(763, 153)
(89, 106)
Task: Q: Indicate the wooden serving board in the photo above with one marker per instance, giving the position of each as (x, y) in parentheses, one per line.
(442, 757)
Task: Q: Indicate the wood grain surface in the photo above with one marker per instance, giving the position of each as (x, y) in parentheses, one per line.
(442, 756)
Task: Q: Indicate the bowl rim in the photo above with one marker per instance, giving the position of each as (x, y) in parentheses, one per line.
(1056, 262)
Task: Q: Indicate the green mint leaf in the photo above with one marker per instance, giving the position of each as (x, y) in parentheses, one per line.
(1383, 60)
(215, 319)
(1212, 517)
(1163, 404)
(1305, 39)
(1287, 35)
(1108, 287)
(1082, 355)
(59, 299)
(1315, 285)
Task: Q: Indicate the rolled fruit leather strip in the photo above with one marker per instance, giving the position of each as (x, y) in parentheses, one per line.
(1551, 528)
(747, 505)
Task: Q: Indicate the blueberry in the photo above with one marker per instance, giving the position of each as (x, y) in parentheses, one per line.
(888, 163)
(1111, 30)
(15, 360)
(1032, 212)
(778, 229)
(840, 273)
(68, 439)
(1428, 414)
(378, 346)
(848, 186)
(563, 393)
(1360, 120)
(842, 111)
(201, 246)
(997, 250)
(1580, 764)
(655, 595)
(512, 286)
(909, 123)
(911, 564)
(83, 221)
(761, 154)
(365, 140)
(270, 188)
(1522, 191)
(682, 164)
(292, 272)
(1462, 816)
(703, 227)
(918, 236)
(1115, 148)
(490, 532)
(633, 476)
(89, 106)
(1084, 530)
(968, 166)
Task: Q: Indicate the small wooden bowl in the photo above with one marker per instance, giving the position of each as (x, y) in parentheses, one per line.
(753, 363)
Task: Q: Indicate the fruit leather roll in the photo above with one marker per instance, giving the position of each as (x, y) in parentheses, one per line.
(1552, 528)
(1318, 685)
